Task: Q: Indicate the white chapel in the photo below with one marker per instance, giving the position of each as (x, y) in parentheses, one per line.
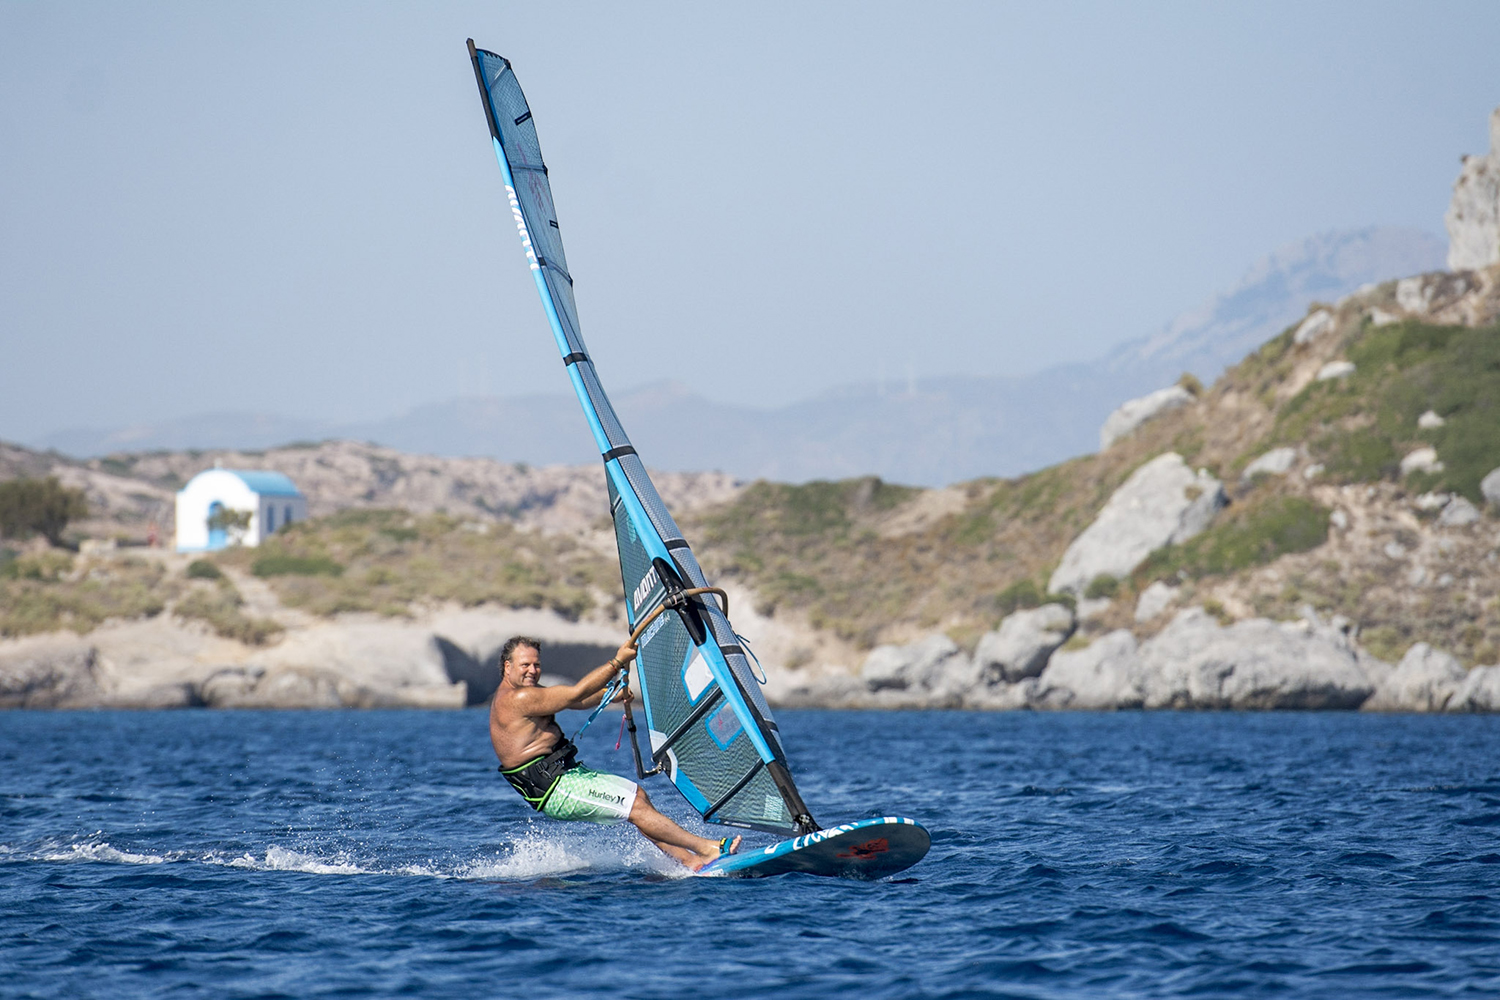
(270, 498)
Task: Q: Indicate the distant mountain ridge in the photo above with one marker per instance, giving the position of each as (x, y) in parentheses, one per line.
(938, 431)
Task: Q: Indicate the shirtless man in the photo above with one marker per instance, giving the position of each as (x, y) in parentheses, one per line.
(538, 760)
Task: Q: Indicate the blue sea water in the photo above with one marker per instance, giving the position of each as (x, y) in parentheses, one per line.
(309, 854)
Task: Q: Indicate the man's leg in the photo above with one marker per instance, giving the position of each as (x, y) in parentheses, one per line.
(692, 851)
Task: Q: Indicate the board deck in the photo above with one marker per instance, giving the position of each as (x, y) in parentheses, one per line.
(868, 849)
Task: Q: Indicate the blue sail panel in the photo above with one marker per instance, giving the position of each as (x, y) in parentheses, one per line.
(709, 724)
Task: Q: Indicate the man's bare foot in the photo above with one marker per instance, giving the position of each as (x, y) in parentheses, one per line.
(715, 852)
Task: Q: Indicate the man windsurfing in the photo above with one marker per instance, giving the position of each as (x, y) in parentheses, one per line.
(539, 761)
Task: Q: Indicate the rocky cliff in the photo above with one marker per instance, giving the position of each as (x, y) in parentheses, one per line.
(1473, 218)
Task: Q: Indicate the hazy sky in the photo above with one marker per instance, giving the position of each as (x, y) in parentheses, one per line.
(293, 208)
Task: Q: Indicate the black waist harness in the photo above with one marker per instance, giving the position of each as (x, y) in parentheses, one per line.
(536, 778)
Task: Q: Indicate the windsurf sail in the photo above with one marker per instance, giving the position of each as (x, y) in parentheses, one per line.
(711, 730)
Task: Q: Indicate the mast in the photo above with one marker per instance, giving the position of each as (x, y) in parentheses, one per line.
(711, 730)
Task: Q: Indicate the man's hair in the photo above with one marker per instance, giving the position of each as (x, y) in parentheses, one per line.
(516, 642)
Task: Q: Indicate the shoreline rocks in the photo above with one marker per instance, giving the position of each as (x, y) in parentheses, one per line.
(49, 671)
(1034, 660)
(351, 661)
(1023, 644)
(1193, 664)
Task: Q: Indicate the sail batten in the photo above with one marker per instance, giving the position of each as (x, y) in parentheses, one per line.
(719, 744)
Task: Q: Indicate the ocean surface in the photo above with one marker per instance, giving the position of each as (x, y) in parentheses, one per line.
(310, 854)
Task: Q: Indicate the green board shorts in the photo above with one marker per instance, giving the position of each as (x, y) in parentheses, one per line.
(582, 793)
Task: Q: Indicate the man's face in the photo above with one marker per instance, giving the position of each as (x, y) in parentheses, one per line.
(524, 668)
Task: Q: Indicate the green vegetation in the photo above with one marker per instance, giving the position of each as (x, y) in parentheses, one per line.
(832, 552)
(1217, 609)
(39, 507)
(278, 564)
(233, 523)
(813, 546)
(202, 569)
(1019, 595)
(50, 566)
(1250, 534)
(1360, 426)
(219, 607)
(1102, 585)
(53, 590)
(1385, 642)
(385, 560)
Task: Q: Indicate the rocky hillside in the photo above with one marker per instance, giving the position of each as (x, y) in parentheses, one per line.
(130, 490)
(1317, 529)
(1320, 528)
(1376, 417)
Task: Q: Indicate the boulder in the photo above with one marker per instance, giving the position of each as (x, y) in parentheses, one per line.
(935, 665)
(229, 687)
(253, 687)
(1421, 460)
(297, 689)
(1253, 664)
(1154, 600)
(1473, 217)
(825, 690)
(1457, 513)
(181, 694)
(1479, 692)
(1020, 647)
(1162, 502)
(1423, 681)
(49, 671)
(1335, 369)
(1276, 462)
(1410, 295)
(1318, 322)
(1489, 486)
(1135, 412)
(1099, 676)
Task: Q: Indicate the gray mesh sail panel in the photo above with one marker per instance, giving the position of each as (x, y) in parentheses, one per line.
(664, 646)
(661, 519)
(602, 407)
(523, 154)
(567, 310)
(758, 805)
(715, 769)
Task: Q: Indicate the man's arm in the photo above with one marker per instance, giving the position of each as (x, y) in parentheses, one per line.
(541, 701)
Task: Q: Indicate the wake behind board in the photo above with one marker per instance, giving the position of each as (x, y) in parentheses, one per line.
(869, 849)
